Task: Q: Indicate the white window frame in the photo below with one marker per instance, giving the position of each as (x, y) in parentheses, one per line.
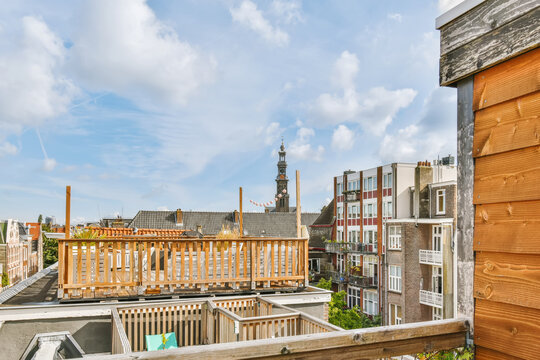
(394, 282)
(315, 265)
(437, 279)
(437, 238)
(371, 262)
(394, 237)
(370, 302)
(436, 313)
(353, 296)
(340, 263)
(355, 259)
(393, 310)
(441, 194)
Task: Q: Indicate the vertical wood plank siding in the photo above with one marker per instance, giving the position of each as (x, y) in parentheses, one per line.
(506, 149)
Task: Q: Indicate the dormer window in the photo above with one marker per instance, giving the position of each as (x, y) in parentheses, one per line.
(441, 202)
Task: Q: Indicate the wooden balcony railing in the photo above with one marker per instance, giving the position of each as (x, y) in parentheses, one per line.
(135, 266)
(211, 321)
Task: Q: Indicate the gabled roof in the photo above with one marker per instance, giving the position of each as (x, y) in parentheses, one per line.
(255, 224)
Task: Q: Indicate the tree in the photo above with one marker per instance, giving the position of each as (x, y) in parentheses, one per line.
(340, 315)
(50, 251)
(5, 279)
(40, 218)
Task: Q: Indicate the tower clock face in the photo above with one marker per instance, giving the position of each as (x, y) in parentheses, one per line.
(282, 177)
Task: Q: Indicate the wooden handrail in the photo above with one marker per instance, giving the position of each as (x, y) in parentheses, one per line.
(146, 265)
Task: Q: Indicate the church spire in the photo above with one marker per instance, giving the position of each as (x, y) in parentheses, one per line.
(282, 193)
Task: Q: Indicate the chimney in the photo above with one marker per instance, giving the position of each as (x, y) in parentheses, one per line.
(266, 210)
(236, 216)
(423, 176)
(199, 229)
(179, 217)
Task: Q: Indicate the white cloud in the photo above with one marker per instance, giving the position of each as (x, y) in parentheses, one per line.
(162, 208)
(374, 109)
(271, 133)
(445, 5)
(433, 135)
(7, 148)
(342, 138)
(395, 16)
(289, 11)
(425, 53)
(301, 149)
(32, 88)
(49, 164)
(124, 48)
(248, 15)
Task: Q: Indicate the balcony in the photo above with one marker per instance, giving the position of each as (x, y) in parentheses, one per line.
(336, 277)
(351, 195)
(430, 257)
(345, 247)
(364, 281)
(431, 298)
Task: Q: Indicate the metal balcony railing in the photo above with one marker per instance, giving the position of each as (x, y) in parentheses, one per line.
(431, 298)
(364, 281)
(336, 247)
(430, 257)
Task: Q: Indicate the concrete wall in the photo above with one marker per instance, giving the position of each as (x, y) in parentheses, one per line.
(404, 178)
(92, 334)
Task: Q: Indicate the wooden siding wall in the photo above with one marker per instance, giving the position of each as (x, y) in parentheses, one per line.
(506, 102)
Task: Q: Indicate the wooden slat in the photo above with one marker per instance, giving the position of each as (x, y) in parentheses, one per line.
(229, 260)
(482, 20)
(508, 278)
(509, 176)
(166, 261)
(507, 126)
(173, 260)
(482, 353)
(122, 245)
(513, 78)
(512, 227)
(509, 40)
(207, 260)
(88, 262)
(507, 328)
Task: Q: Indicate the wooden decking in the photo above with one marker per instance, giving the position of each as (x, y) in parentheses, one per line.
(145, 266)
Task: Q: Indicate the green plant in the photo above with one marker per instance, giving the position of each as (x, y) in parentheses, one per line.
(454, 354)
(324, 284)
(5, 279)
(340, 315)
(50, 251)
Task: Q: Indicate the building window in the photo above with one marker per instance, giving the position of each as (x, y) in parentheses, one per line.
(370, 183)
(437, 313)
(441, 202)
(394, 238)
(339, 235)
(355, 259)
(353, 297)
(436, 242)
(353, 236)
(371, 302)
(339, 213)
(395, 314)
(436, 279)
(387, 180)
(340, 263)
(387, 209)
(370, 266)
(315, 265)
(395, 278)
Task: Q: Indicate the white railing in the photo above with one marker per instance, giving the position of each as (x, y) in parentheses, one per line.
(430, 257)
(431, 298)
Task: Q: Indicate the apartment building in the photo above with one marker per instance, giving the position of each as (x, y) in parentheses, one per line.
(365, 203)
(420, 259)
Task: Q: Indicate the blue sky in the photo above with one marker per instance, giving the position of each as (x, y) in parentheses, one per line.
(163, 105)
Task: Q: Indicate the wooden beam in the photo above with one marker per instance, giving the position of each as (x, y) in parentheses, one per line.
(298, 207)
(492, 48)
(369, 343)
(68, 211)
(241, 214)
(481, 20)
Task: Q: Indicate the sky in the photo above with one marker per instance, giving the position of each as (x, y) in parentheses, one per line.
(156, 105)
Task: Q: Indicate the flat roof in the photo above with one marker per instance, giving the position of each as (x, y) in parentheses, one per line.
(456, 12)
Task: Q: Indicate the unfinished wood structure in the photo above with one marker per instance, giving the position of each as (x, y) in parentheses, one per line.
(490, 52)
(210, 322)
(149, 265)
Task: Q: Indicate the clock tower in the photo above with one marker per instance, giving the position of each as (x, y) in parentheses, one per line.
(282, 203)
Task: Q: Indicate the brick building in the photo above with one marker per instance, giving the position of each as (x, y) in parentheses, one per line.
(365, 204)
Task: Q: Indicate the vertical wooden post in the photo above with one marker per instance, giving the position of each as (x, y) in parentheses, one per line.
(241, 215)
(69, 260)
(298, 207)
